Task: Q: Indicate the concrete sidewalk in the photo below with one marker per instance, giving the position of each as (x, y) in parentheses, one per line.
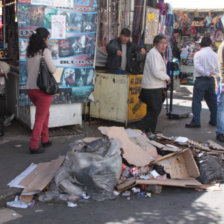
(15, 157)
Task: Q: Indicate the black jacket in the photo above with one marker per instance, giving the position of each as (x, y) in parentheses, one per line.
(114, 61)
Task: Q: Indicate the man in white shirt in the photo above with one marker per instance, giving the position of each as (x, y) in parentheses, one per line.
(205, 66)
(154, 84)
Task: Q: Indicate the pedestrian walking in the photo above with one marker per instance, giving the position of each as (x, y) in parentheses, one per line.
(154, 84)
(205, 66)
(38, 44)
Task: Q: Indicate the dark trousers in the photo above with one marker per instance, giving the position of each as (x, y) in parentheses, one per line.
(154, 99)
(204, 87)
(42, 101)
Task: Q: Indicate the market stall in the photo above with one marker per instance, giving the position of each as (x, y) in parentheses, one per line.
(193, 25)
(116, 96)
(73, 26)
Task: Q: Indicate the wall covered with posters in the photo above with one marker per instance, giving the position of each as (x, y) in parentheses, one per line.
(73, 25)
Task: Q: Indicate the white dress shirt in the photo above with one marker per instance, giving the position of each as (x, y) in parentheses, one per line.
(205, 62)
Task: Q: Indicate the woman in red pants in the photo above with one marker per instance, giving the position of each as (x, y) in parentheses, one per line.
(38, 43)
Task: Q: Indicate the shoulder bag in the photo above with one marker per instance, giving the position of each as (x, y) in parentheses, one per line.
(45, 80)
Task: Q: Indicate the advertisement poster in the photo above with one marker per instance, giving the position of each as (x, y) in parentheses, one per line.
(58, 26)
(42, 2)
(72, 25)
(151, 25)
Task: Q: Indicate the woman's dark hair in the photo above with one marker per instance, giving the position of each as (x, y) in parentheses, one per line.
(158, 38)
(36, 41)
(206, 41)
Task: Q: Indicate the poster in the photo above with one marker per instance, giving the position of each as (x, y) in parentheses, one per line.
(63, 3)
(151, 25)
(72, 25)
(42, 2)
(58, 26)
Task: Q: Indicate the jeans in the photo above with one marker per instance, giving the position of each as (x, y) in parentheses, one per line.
(154, 99)
(204, 87)
(220, 116)
(42, 101)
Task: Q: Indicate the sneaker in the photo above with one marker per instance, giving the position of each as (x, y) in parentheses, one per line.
(220, 137)
(46, 144)
(191, 125)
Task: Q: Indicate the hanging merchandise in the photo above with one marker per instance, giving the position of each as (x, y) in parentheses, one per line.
(152, 23)
(137, 21)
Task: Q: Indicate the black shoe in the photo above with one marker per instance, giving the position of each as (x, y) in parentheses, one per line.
(46, 144)
(36, 151)
(220, 137)
(1, 132)
(191, 125)
(212, 124)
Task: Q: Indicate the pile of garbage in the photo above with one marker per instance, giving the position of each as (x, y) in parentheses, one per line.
(124, 161)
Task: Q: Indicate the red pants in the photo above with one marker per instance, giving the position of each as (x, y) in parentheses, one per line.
(42, 101)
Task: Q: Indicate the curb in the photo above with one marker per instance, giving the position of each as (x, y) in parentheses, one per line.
(8, 196)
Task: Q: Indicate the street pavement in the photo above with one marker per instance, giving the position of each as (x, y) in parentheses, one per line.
(173, 205)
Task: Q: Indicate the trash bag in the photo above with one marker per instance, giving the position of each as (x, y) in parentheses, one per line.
(210, 168)
(97, 166)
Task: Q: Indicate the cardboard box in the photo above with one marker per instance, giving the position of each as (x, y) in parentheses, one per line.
(180, 165)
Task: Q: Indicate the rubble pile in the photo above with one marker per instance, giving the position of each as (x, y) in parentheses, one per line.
(124, 159)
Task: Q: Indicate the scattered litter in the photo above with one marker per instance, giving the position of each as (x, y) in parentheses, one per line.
(18, 146)
(155, 189)
(97, 168)
(136, 190)
(116, 193)
(154, 174)
(141, 194)
(19, 204)
(71, 204)
(210, 168)
(148, 195)
(39, 210)
(145, 177)
(181, 140)
(8, 120)
(85, 196)
(126, 194)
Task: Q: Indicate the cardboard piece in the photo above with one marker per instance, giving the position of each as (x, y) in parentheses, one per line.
(7, 215)
(143, 142)
(215, 146)
(40, 177)
(26, 198)
(129, 183)
(157, 144)
(172, 182)
(180, 165)
(133, 153)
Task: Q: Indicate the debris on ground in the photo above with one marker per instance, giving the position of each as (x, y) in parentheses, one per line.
(126, 162)
(8, 215)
